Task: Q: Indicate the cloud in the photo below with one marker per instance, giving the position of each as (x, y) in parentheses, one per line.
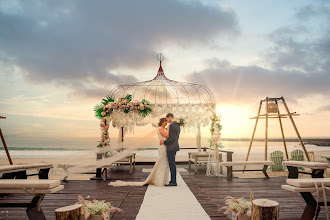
(297, 64)
(231, 83)
(303, 45)
(325, 108)
(82, 42)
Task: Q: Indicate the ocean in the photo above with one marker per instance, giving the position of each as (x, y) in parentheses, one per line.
(86, 147)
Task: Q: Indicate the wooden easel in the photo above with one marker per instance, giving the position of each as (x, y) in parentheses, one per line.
(5, 145)
(275, 113)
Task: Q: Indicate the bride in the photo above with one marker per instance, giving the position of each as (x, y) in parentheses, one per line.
(159, 175)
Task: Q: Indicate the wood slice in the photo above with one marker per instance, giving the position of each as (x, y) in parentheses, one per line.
(71, 212)
(265, 209)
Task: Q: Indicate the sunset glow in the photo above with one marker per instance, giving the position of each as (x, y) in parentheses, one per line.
(53, 69)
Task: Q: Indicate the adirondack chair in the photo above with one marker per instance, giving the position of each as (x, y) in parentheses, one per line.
(277, 158)
(298, 155)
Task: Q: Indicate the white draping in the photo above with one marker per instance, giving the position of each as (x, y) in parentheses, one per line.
(195, 115)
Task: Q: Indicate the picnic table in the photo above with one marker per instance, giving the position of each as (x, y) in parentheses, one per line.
(20, 171)
(316, 167)
(306, 187)
(36, 188)
(326, 157)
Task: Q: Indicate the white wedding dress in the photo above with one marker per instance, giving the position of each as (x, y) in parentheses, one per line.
(159, 175)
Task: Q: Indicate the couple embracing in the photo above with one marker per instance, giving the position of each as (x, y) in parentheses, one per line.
(168, 134)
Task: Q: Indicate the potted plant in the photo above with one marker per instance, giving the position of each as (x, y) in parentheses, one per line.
(97, 209)
(240, 208)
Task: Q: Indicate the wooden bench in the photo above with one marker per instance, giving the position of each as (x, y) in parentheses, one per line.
(129, 159)
(37, 188)
(19, 171)
(306, 187)
(316, 167)
(230, 164)
(102, 172)
(200, 157)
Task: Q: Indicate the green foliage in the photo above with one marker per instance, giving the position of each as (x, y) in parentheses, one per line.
(213, 143)
(107, 100)
(128, 97)
(145, 102)
(98, 110)
(146, 111)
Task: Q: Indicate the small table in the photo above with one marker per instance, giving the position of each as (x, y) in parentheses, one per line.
(200, 157)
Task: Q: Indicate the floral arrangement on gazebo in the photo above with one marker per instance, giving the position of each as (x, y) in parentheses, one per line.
(213, 165)
(215, 130)
(125, 105)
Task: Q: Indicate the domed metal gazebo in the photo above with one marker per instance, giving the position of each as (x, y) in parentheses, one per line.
(187, 100)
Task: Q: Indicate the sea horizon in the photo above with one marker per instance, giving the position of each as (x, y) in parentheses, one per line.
(86, 147)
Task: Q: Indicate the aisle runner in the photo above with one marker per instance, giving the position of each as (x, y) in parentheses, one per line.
(171, 202)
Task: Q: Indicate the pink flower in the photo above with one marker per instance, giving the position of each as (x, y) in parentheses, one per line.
(103, 114)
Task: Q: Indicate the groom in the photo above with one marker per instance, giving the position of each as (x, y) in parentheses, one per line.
(172, 146)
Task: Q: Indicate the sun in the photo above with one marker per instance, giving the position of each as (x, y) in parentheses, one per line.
(235, 120)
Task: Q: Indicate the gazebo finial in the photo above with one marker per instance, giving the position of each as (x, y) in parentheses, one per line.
(160, 58)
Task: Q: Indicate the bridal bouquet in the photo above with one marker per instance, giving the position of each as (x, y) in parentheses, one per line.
(97, 207)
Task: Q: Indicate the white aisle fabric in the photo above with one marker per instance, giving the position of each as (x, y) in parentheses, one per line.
(171, 202)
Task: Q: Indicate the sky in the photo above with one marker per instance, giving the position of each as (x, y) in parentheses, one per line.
(58, 59)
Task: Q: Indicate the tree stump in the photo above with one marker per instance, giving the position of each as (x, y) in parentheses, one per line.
(265, 209)
(71, 212)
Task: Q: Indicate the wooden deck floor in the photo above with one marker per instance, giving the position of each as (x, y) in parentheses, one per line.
(209, 191)
(128, 198)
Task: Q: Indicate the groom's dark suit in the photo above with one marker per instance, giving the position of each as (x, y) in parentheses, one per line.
(172, 146)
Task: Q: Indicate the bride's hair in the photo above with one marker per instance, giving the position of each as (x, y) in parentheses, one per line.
(161, 121)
